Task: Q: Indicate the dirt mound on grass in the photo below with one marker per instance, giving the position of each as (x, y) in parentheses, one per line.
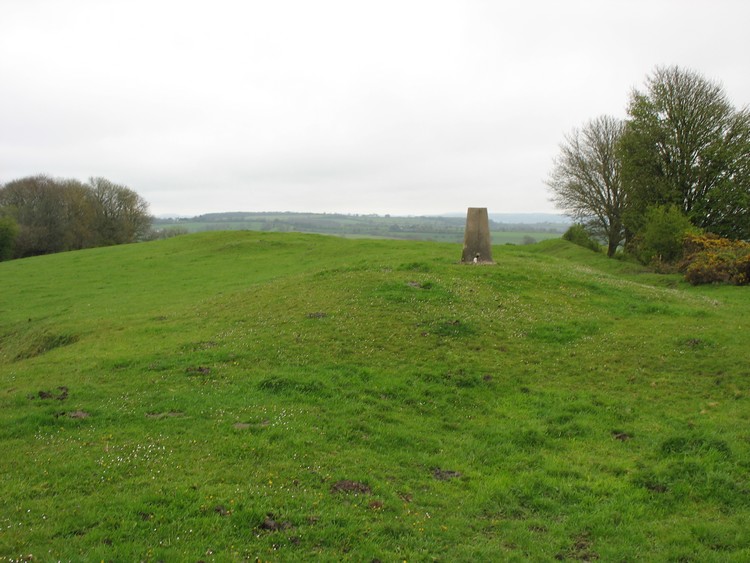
(347, 486)
(446, 474)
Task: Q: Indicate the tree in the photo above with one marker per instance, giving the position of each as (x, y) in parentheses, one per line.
(8, 233)
(37, 204)
(586, 181)
(120, 214)
(79, 213)
(53, 215)
(686, 145)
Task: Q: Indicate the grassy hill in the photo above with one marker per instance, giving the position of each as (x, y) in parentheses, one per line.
(241, 395)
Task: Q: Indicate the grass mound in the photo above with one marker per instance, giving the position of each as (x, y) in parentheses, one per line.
(233, 396)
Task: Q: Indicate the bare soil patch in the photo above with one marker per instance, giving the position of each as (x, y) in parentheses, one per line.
(406, 497)
(317, 315)
(170, 414)
(347, 486)
(446, 474)
(221, 510)
(248, 425)
(271, 524)
(79, 414)
(656, 487)
(580, 550)
(61, 395)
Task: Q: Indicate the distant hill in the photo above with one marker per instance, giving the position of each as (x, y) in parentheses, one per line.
(538, 218)
(506, 227)
(522, 218)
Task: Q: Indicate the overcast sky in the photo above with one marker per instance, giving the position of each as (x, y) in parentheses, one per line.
(404, 107)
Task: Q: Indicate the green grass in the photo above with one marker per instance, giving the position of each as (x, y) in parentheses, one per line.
(233, 396)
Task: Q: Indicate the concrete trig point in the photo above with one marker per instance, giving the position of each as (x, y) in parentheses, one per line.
(477, 247)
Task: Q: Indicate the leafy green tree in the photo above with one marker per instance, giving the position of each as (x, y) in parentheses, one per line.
(120, 214)
(663, 233)
(586, 180)
(686, 145)
(38, 205)
(54, 215)
(8, 234)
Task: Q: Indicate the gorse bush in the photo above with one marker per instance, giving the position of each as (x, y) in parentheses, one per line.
(712, 259)
(577, 234)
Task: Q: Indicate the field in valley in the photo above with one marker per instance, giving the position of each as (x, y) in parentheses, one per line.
(506, 229)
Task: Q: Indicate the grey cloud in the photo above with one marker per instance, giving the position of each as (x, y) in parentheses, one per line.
(401, 107)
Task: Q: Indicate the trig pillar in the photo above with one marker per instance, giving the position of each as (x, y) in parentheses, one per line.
(477, 247)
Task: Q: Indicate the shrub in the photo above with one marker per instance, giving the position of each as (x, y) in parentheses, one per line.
(577, 234)
(661, 239)
(712, 259)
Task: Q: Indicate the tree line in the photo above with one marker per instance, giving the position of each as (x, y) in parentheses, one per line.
(43, 215)
(679, 162)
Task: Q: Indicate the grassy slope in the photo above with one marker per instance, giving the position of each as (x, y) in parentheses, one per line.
(556, 405)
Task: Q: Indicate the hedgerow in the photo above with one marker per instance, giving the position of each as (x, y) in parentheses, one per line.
(577, 234)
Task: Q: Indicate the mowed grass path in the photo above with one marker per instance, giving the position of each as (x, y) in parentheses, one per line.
(233, 396)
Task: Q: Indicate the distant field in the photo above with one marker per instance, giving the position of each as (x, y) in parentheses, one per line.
(498, 237)
(436, 229)
(243, 396)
